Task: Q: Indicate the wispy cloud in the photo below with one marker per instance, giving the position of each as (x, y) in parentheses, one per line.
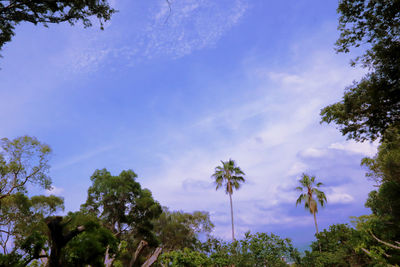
(269, 138)
(157, 32)
(365, 148)
(82, 157)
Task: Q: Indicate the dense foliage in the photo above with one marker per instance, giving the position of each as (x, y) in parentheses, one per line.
(258, 249)
(23, 160)
(44, 12)
(372, 105)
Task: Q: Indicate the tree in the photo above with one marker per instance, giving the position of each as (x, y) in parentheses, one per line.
(230, 176)
(382, 227)
(177, 230)
(337, 247)
(44, 12)
(308, 193)
(185, 258)
(23, 160)
(259, 249)
(23, 231)
(385, 165)
(124, 208)
(369, 107)
(79, 239)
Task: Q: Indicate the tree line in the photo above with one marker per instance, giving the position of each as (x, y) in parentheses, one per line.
(120, 224)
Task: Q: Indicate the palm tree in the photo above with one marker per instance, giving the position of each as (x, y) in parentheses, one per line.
(308, 193)
(231, 176)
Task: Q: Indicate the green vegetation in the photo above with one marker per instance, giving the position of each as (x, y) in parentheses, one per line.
(13, 12)
(121, 224)
(371, 106)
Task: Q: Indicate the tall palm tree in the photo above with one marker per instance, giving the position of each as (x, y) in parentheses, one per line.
(311, 195)
(230, 176)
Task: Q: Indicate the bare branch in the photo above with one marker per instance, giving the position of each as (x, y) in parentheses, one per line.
(385, 243)
(152, 258)
(139, 249)
(170, 11)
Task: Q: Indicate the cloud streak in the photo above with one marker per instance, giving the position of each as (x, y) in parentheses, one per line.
(156, 32)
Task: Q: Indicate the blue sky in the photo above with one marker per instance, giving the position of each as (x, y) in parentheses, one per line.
(169, 96)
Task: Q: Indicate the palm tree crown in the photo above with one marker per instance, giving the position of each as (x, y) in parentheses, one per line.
(230, 176)
(308, 193)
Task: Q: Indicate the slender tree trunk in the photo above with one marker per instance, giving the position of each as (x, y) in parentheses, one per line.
(315, 221)
(233, 227)
(316, 227)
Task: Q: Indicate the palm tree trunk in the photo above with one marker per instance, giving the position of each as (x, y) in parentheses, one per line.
(233, 228)
(316, 227)
(315, 221)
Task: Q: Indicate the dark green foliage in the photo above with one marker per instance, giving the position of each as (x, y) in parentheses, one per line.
(385, 201)
(11, 260)
(13, 12)
(89, 247)
(177, 230)
(258, 249)
(371, 106)
(124, 208)
(385, 166)
(23, 160)
(78, 239)
(337, 247)
(122, 205)
(185, 258)
(383, 224)
(22, 220)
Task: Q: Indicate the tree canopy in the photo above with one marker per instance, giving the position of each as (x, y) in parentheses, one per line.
(23, 160)
(177, 230)
(369, 107)
(45, 12)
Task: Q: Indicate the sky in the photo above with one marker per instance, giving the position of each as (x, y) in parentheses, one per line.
(171, 94)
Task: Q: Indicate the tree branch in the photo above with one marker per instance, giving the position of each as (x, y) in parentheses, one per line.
(385, 243)
(152, 258)
(139, 249)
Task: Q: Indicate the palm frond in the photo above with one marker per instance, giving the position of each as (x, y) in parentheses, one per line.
(299, 188)
(313, 195)
(228, 174)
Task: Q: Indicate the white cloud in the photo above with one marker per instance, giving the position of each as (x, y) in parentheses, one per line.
(313, 152)
(153, 32)
(190, 25)
(267, 150)
(82, 157)
(297, 168)
(338, 195)
(58, 191)
(365, 148)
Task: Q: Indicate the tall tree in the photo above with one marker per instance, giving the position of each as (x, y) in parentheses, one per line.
(311, 195)
(230, 176)
(23, 233)
(23, 160)
(372, 105)
(177, 230)
(337, 246)
(44, 12)
(124, 207)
